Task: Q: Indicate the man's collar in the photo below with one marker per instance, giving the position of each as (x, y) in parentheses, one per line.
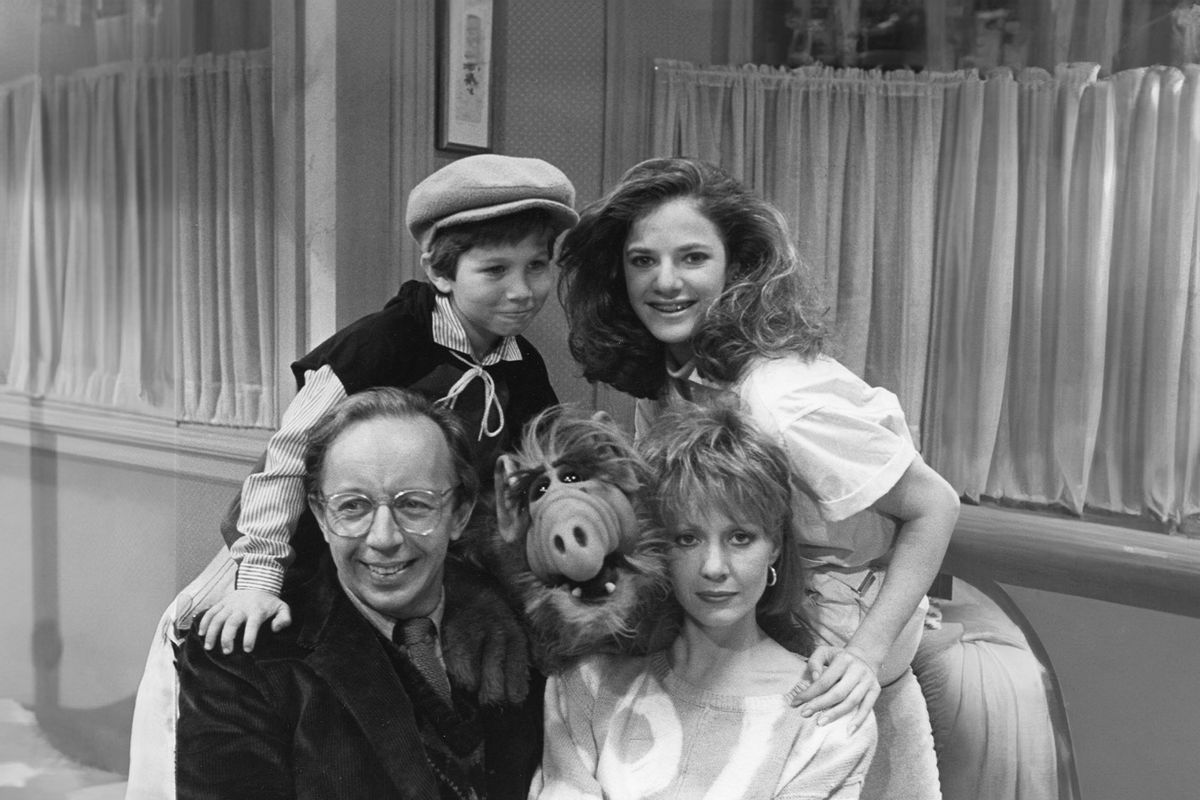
(383, 623)
(448, 331)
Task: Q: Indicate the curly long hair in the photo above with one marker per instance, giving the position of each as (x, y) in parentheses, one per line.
(767, 308)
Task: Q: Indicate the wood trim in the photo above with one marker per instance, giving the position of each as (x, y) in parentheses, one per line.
(130, 440)
(318, 184)
(287, 92)
(733, 32)
(1085, 559)
(413, 106)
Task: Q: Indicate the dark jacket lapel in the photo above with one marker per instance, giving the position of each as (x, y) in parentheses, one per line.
(348, 655)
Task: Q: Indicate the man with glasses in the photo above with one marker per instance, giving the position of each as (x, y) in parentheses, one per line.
(362, 695)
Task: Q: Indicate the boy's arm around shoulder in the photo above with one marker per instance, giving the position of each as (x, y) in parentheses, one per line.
(271, 502)
(273, 499)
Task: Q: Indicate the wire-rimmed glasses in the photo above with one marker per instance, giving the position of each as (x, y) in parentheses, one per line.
(415, 511)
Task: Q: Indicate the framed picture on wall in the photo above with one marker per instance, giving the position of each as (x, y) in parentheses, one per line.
(465, 76)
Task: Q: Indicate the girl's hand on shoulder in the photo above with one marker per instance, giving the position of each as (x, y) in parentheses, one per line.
(844, 681)
(248, 607)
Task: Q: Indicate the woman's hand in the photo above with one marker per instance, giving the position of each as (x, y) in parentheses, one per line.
(844, 681)
(249, 607)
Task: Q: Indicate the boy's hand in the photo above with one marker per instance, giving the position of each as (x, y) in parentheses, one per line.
(844, 682)
(249, 607)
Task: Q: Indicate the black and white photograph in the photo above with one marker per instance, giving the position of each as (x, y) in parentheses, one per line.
(600, 399)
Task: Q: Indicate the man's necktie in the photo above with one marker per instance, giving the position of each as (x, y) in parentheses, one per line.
(418, 638)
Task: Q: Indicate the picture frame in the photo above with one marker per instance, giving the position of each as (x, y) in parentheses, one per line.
(464, 97)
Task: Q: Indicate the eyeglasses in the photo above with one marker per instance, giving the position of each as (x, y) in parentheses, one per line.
(415, 511)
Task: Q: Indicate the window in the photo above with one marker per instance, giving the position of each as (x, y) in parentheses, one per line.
(947, 35)
(1016, 255)
(139, 269)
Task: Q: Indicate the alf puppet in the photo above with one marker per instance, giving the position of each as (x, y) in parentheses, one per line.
(568, 540)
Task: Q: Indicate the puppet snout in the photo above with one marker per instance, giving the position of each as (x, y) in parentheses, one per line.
(575, 527)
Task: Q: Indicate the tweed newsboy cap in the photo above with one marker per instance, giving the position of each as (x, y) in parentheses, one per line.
(484, 186)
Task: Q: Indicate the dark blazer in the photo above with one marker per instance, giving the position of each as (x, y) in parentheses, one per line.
(320, 710)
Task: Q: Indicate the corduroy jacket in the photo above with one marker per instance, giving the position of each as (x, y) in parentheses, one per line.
(321, 710)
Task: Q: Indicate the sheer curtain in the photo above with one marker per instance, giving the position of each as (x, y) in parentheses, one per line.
(1015, 255)
(141, 218)
(16, 139)
(100, 170)
(226, 251)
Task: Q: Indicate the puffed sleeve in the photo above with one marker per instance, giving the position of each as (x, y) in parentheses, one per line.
(846, 457)
(848, 441)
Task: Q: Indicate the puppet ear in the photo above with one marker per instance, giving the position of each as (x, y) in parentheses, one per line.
(623, 476)
(508, 514)
(625, 479)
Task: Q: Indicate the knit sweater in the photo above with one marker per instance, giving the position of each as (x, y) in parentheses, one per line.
(623, 727)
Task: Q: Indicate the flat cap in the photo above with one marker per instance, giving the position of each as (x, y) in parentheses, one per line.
(485, 186)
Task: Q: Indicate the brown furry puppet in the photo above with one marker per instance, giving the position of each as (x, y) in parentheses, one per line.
(568, 540)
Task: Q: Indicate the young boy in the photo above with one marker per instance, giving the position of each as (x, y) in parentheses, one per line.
(486, 225)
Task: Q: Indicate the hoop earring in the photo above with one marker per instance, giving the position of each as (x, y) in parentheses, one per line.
(772, 576)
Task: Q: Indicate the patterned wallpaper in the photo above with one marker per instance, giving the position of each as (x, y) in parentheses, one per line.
(550, 104)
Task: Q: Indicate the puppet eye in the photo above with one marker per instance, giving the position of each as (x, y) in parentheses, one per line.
(537, 490)
(569, 476)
